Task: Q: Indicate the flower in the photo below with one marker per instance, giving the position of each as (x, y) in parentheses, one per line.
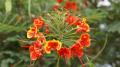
(39, 22)
(47, 29)
(85, 43)
(105, 3)
(34, 53)
(41, 38)
(83, 26)
(52, 45)
(70, 5)
(55, 7)
(103, 26)
(59, 1)
(64, 52)
(85, 39)
(72, 20)
(77, 50)
(37, 45)
(43, 33)
(85, 36)
(32, 32)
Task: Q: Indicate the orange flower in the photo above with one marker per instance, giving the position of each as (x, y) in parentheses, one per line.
(39, 22)
(55, 7)
(34, 53)
(85, 36)
(52, 45)
(70, 5)
(32, 32)
(83, 26)
(77, 50)
(37, 45)
(65, 53)
(59, 1)
(72, 20)
(85, 40)
(41, 38)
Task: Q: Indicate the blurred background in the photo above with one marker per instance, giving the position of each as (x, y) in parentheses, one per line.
(103, 17)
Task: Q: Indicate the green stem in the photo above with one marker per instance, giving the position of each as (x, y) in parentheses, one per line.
(105, 43)
(58, 62)
(32, 63)
(102, 48)
(51, 35)
(81, 62)
(16, 64)
(29, 8)
(70, 36)
(6, 17)
(70, 31)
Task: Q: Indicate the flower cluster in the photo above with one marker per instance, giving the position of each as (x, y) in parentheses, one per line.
(84, 40)
(68, 5)
(44, 45)
(36, 49)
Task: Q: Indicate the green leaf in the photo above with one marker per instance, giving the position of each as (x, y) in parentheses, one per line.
(7, 28)
(94, 15)
(8, 6)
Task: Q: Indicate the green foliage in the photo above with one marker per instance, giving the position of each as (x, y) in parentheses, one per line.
(7, 28)
(94, 15)
(114, 18)
(61, 29)
(12, 25)
(9, 58)
(114, 27)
